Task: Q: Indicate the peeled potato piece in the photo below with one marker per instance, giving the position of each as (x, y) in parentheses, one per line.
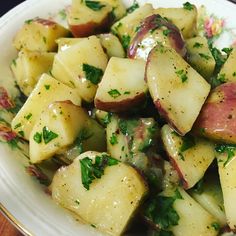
(122, 86)
(47, 90)
(57, 127)
(29, 66)
(110, 202)
(177, 90)
(39, 35)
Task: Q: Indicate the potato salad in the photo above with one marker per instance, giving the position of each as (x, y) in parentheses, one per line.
(135, 109)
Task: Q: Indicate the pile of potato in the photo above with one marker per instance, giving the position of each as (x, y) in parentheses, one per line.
(124, 100)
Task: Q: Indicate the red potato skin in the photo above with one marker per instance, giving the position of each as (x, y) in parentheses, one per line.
(217, 119)
(91, 28)
(120, 106)
(155, 22)
(45, 22)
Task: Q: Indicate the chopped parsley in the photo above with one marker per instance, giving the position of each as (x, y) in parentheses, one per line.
(27, 117)
(29, 21)
(221, 78)
(127, 127)
(17, 125)
(37, 137)
(126, 92)
(62, 14)
(181, 75)
(107, 119)
(77, 201)
(47, 86)
(14, 62)
(188, 142)
(21, 133)
(134, 6)
(216, 226)
(202, 55)
(94, 5)
(125, 41)
(228, 149)
(48, 135)
(188, 6)
(92, 73)
(234, 74)
(84, 134)
(44, 39)
(166, 32)
(161, 212)
(114, 93)
(90, 171)
(198, 45)
(227, 51)
(113, 139)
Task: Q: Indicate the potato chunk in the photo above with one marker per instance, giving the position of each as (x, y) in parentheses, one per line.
(57, 127)
(29, 66)
(122, 86)
(177, 90)
(184, 19)
(39, 35)
(110, 202)
(81, 66)
(47, 90)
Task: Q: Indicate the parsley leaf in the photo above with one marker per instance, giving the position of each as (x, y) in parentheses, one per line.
(48, 135)
(134, 6)
(181, 75)
(37, 137)
(216, 226)
(107, 119)
(197, 45)
(228, 149)
(125, 41)
(94, 5)
(166, 32)
(84, 134)
(188, 142)
(161, 212)
(114, 93)
(91, 171)
(113, 139)
(92, 73)
(188, 6)
(202, 55)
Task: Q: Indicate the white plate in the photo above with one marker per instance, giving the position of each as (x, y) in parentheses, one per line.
(20, 194)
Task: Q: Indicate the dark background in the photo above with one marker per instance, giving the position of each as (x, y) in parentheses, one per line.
(5, 6)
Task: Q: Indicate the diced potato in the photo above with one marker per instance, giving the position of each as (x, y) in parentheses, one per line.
(84, 19)
(127, 26)
(211, 198)
(217, 117)
(65, 43)
(103, 117)
(110, 202)
(227, 172)
(39, 35)
(184, 19)
(29, 66)
(177, 90)
(70, 66)
(112, 45)
(57, 127)
(200, 57)
(47, 90)
(118, 7)
(190, 156)
(228, 71)
(122, 86)
(194, 219)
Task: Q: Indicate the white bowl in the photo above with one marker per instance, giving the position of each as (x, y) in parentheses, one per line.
(22, 198)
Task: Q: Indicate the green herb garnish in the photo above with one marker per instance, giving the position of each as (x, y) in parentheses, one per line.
(188, 142)
(29, 21)
(27, 117)
(47, 86)
(134, 6)
(181, 75)
(125, 41)
(228, 149)
(37, 137)
(216, 226)
(114, 93)
(94, 5)
(202, 55)
(92, 73)
(91, 171)
(113, 139)
(17, 125)
(188, 6)
(48, 135)
(197, 45)
(166, 32)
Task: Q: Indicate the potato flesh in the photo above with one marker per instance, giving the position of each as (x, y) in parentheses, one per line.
(39, 35)
(184, 19)
(192, 163)
(68, 66)
(118, 7)
(194, 219)
(227, 172)
(127, 25)
(169, 91)
(110, 202)
(228, 70)
(29, 66)
(64, 119)
(200, 56)
(39, 99)
(126, 78)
